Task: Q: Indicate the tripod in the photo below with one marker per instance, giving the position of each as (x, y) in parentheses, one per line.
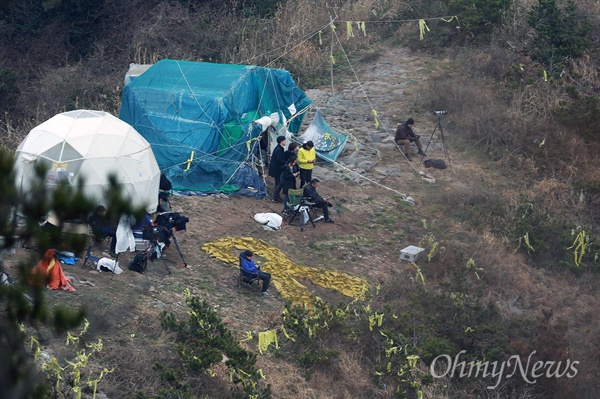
(438, 125)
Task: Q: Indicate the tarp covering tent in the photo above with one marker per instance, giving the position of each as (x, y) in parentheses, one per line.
(328, 143)
(199, 118)
(91, 145)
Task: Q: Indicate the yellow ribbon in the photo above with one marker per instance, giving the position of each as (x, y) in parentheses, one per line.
(349, 32)
(248, 336)
(320, 38)
(332, 59)
(266, 338)
(189, 162)
(422, 27)
(376, 119)
(285, 273)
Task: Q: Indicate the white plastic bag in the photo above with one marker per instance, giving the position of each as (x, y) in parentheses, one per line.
(271, 221)
(109, 264)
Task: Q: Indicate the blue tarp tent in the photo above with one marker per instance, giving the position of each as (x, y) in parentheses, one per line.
(198, 118)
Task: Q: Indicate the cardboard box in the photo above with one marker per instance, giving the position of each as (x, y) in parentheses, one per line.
(411, 253)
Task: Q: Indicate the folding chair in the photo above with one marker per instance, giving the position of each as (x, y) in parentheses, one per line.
(301, 207)
(96, 240)
(244, 279)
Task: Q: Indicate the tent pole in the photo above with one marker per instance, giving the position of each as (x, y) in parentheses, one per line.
(331, 54)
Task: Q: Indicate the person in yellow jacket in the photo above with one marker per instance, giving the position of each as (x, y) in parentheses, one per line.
(306, 162)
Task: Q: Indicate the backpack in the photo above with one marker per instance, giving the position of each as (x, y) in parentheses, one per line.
(435, 163)
(138, 263)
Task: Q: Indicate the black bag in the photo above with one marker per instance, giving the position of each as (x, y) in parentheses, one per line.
(138, 263)
(435, 163)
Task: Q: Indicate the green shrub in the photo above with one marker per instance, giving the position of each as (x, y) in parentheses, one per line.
(581, 115)
(561, 33)
(478, 18)
(201, 342)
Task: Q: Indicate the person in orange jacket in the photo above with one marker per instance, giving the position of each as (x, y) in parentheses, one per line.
(49, 271)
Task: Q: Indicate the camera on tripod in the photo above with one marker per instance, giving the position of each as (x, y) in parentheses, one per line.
(172, 220)
(440, 112)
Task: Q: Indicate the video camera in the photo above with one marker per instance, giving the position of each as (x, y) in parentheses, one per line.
(156, 233)
(172, 220)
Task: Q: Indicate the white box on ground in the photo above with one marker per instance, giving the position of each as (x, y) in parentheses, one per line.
(411, 253)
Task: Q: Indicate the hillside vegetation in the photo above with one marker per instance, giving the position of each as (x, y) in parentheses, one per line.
(511, 238)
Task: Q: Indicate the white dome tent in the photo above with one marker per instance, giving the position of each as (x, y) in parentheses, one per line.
(91, 145)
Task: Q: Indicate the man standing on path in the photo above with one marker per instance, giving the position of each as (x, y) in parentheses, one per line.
(276, 166)
(405, 135)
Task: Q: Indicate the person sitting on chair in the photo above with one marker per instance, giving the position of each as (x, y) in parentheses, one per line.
(103, 227)
(405, 135)
(252, 270)
(164, 204)
(310, 192)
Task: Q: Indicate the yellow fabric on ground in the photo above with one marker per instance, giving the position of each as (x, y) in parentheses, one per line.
(284, 272)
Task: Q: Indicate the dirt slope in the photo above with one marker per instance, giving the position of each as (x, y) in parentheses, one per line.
(370, 228)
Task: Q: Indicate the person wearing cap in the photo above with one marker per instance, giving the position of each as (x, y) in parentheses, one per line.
(306, 162)
(251, 270)
(276, 165)
(405, 135)
(310, 192)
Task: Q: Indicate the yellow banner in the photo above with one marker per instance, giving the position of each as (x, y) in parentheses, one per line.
(285, 273)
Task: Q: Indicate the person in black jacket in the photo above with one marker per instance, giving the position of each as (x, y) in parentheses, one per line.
(292, 151)
(276, 166)
(288, 181)
(310, 192)
(405, 135)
